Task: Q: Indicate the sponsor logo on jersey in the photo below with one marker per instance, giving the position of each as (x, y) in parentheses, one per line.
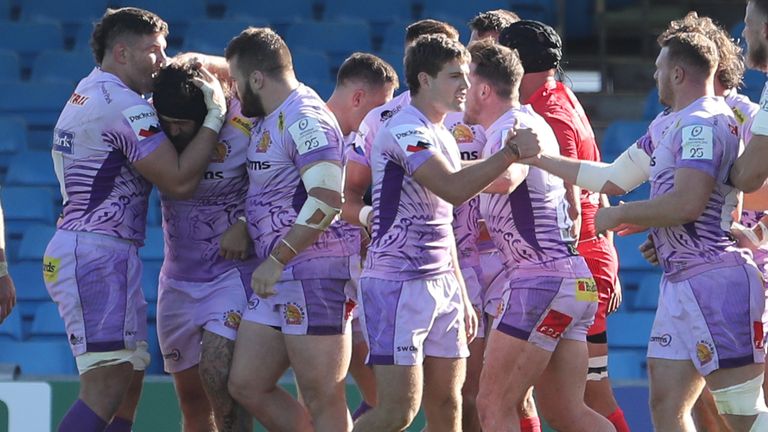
(663, 340)
(143, 121)
(78, 99)
(586, 290)
(174, 355)
(264, 142)
(704, 351)
(463, 134)
(242, 124)
(63, 141)
(220, 152)
(757, 328)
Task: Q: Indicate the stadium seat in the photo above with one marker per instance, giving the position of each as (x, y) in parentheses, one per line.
(457, 21)
(149, 280)
(355, 9)
(630, 329)
(279, 12)
(153, 245)
(464, 10)
(629, 256)
(212, 36)
(24, 207)
(154, 211)
(754, 81)
(540, 10)
(156, 365)
(737, 29)
(30, 287)
(14, 138)
(38, 103)
(5, 10)
(627, 365)
(395, 59)
(310, 65)
(32, 168)
(393, 40)
(47, 324)
(620, 135)
(652, 105)
(77, 12)
(40, 357)
(10, 65)
(647, 297)
(63, 66)
(10, 329)
(337, 38)
(34, 241)
(175, 12)
(323, 87)
(29, 38)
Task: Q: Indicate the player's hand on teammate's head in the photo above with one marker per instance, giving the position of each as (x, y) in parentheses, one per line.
(7, 297)
(648, 250)
(212, 91)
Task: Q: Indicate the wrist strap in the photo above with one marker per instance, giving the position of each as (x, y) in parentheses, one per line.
(763, 234)
(365, 212)
(214, 120)
(3, 268)
(277, 260)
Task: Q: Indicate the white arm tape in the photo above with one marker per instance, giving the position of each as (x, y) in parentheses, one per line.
(365, 211)
(316, 213)
(631, 169)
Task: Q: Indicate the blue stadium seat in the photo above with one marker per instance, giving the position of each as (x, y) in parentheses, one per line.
(63, 66)
(14, 138)
(457, 21)
(32, 168)
(539, 10)
(652, 105)
(30, 287)
(10, 329)
(323, 87)
(395, 59)
(647, 297)
(279, 12)
(61, 11)
(83, 39)
(156, 365)
(338, 38)
(212, 36)
(630, 329)
(579, 17)
(38, 103)
(34, 242)
(153, 245)
(47, 324)
(737, 29)
(154, 212)
(10, 65)
(175, 12)
(5, 10)
(627, 365)
(149, 280)
(29, 38)
(311, 65)
(40, 357)
(25, 206)
(464, 10)
(393, 40)
(620, 135)
(355, 9)
(754, 81)
(630, 257)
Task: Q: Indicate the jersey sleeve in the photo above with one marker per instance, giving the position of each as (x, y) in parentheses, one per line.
(414, 145)
(313, 138)
(566, 134)
(137, 131)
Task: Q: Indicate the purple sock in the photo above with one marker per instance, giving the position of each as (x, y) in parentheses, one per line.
(119, 424)
(81, 418)
(362, 409)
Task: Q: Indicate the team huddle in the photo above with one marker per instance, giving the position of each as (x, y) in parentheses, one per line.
(481, 269)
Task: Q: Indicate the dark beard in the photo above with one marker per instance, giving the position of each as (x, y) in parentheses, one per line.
(758, 58)
(251, 104)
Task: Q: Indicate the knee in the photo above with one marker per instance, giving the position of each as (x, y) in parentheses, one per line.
(399, 415)
(238, 389)
(319, 397)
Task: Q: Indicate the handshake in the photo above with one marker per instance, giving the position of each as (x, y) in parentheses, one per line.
(523, 143)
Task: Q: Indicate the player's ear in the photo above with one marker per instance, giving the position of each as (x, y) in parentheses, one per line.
(357, 97)
(119, 53)
(256, 79)
(424, 79)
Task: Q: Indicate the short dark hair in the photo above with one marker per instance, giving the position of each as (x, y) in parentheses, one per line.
(175, 94)
(120, 22)
(429, 54)
(731, 67)
(692, 49)
(493, 21)
(370, 69)
(498, 65)
(427, 27)
(260, 48)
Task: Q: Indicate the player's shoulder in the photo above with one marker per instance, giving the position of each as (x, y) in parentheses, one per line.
(383, 113)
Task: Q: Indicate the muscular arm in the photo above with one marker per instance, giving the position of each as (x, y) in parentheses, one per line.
(629, 170)
(683, 204)
(757, 200)
(751, 170)
(357, 180)
(456, 187)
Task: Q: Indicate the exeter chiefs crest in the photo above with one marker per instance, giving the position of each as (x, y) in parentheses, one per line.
(220, 152)
(463, 134)
(264, 142)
